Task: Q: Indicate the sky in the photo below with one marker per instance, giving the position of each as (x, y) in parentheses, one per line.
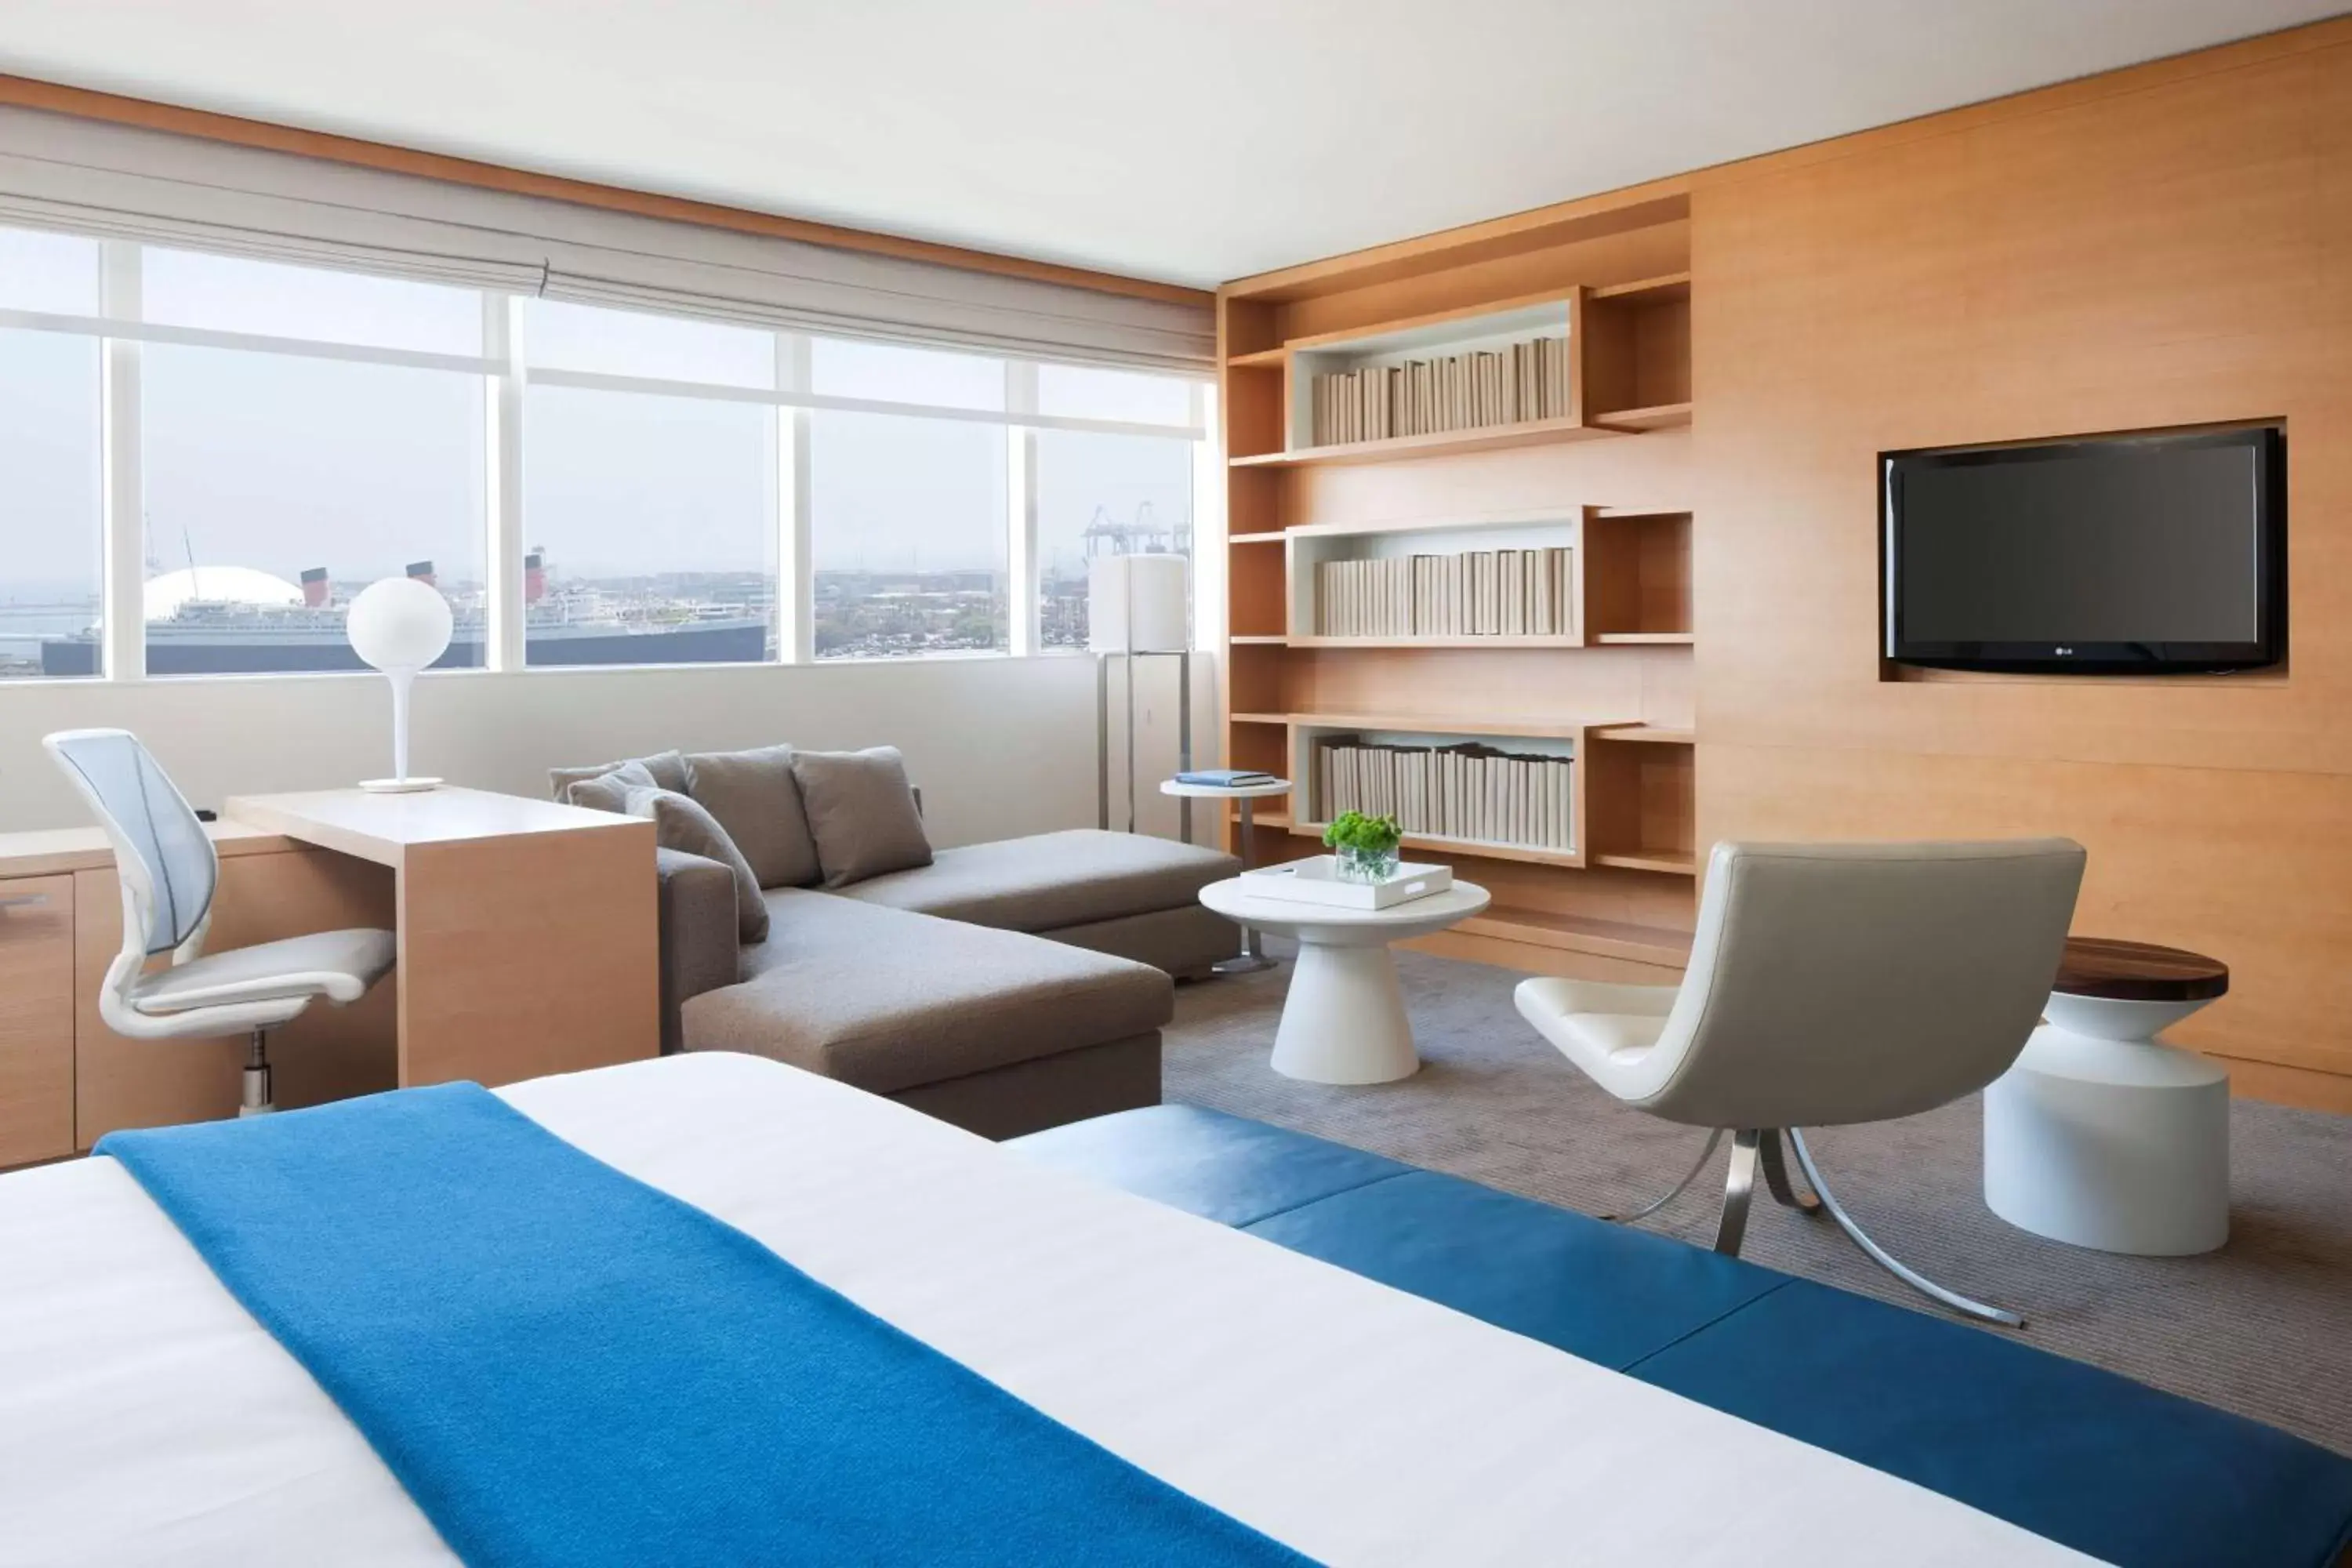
(285, 463)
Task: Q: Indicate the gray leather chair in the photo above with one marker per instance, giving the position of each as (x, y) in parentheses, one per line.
(168, 871)
(1829, 983)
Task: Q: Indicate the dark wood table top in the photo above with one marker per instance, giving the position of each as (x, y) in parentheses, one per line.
(2138, 971)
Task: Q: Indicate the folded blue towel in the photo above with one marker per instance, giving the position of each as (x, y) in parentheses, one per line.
(566, 1366)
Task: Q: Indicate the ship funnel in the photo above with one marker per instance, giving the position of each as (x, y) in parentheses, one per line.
(314, 587)
(534, 578)
(422, 571)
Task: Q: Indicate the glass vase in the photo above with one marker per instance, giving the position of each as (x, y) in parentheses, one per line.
(1367, 865)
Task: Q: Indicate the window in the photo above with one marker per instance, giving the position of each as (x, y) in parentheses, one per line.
(651, 530)
(1083, 392)
(1103, 494)
(230, 293)
(907, 534)
(49, 505)
(885, 372)
(54, 272)
(278, 486)
(651, 518)
(662, 348)
(297, 432)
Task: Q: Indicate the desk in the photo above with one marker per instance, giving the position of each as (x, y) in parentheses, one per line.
(528, 945)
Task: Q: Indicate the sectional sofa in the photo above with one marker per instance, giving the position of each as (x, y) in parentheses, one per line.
(1004, 986)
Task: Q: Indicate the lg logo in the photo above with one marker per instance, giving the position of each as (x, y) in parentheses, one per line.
(2065, 651)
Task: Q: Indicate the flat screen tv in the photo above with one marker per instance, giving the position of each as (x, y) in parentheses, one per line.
(2114, 554)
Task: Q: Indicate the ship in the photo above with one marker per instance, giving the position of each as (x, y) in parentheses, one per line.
(236, 620)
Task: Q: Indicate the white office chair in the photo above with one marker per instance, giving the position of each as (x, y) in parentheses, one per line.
(168, 871)
(1829, 983)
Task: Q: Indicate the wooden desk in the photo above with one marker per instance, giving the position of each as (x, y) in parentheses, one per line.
(526, 936)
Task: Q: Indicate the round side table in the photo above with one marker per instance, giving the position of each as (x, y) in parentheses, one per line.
(2102, 1135)
(1250, 959)
(1344, 1019)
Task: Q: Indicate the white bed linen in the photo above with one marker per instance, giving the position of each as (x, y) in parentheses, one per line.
(146, 1419)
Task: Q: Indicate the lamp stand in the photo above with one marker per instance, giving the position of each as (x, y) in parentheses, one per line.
(400, 782)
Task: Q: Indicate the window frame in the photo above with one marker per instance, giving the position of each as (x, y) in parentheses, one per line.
(506, 373)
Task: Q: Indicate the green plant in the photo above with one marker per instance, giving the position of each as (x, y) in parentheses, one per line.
(1365, 835)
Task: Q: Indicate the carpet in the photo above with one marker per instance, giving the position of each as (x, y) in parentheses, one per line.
(2263, 1327)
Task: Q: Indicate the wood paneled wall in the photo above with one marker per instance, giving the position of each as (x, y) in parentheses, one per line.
(2167, 246)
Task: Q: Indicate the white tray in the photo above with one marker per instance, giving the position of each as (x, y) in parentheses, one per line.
(1316, 880)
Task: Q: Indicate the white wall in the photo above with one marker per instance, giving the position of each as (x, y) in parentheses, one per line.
(998, 746)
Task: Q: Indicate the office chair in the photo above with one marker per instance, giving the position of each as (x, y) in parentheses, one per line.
(168, 871)
(1829, 983)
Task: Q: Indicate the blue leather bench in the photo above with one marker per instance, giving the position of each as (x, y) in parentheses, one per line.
(2122, 1471)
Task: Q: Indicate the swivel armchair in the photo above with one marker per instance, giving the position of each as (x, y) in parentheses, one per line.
(1829, 983)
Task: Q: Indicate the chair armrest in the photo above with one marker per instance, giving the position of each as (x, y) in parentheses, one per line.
(700, 951)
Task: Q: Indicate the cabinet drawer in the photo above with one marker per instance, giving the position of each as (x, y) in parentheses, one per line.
(37, 1018)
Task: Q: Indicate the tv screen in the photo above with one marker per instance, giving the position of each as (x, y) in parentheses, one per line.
(2124, 554)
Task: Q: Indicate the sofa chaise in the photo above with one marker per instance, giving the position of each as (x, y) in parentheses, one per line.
(1004, 986)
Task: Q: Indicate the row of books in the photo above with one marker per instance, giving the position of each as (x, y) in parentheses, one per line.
(1469, 791)
(1477, 592)
(1467, 391)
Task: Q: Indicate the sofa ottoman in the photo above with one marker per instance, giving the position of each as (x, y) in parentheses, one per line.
(1123, 893)
(993, 1030)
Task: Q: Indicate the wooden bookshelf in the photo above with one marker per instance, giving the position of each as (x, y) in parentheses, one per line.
(1608, 479)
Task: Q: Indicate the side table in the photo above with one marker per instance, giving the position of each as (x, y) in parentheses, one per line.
(1251, 959)
(2102, 1135)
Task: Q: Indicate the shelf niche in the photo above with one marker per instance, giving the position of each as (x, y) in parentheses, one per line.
(1643, 804)
(1435, 615)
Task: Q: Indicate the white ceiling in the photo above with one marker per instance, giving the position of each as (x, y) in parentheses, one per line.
(1192, 140)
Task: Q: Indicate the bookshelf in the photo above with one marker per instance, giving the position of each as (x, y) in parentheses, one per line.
(1583, 453)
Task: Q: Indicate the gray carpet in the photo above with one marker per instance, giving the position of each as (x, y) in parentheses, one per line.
(2263, 1327)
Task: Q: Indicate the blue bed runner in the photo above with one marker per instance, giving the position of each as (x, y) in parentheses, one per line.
(2132, 1476)
(563, 1365)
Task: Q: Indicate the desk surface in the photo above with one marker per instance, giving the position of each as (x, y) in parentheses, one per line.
(383, 827)
(56, 851)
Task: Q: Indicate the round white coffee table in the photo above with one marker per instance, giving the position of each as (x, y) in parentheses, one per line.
(1344, 1019)
(2102, 1134)
(1249, 960)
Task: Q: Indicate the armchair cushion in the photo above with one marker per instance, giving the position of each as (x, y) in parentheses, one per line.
(756, 799)
(680, 823)
(862, 811)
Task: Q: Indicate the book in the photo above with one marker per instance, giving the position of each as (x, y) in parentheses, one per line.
(1226, 778)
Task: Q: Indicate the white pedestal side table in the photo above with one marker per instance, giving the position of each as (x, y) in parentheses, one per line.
(1250, 960)
(2102, 1135)
(1344, 1020)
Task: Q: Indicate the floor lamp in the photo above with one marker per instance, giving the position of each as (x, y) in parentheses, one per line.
(1136, 609)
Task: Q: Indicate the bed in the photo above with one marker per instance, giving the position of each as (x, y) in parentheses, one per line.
(146, 1417)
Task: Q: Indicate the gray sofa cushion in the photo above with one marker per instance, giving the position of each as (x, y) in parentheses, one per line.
(609, 791)
(667, 768)
(862, 811)
(756, 799)
(1053, 879)
(680, 823)
(885, 1000)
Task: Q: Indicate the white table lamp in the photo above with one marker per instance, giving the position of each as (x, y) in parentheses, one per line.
(400, 625)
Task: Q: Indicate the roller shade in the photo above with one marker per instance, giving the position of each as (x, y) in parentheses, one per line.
(121, 181)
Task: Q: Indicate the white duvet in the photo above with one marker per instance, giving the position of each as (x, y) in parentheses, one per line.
(145, 1418)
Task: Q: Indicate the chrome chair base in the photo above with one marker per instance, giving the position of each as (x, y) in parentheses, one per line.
(257, 1100)
(1752, 1147)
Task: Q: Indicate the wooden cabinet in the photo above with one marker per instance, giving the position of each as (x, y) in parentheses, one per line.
(37, 1018)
